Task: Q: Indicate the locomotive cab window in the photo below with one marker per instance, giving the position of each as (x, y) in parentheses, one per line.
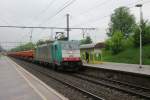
(70, 46)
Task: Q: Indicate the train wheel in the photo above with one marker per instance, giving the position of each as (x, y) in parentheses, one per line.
(54, 67)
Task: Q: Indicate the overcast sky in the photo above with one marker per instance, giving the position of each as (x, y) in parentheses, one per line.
(83, 13)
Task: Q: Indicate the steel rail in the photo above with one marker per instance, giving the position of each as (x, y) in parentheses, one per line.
(116, 81)
(112, 86)
(95, 97)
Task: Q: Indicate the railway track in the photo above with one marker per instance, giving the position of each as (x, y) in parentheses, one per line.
(116, 81)
(93, 96)
(77, 88)
(112, 84)
(118, 85)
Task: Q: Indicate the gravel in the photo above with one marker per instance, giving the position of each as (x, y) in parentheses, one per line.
(72, 94)
(135, 79)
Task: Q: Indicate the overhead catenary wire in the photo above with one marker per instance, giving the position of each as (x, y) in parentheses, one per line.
(92, 8)
(42, 27)
(44, 9)
(12, 42)
(88, 21)
(52, 28)
(131, 5)
(108, 15)
(65, 6)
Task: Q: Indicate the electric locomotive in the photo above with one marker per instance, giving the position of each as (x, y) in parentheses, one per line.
(63, 55)
(59, 54)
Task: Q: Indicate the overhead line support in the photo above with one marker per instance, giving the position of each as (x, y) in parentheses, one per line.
(33, 27)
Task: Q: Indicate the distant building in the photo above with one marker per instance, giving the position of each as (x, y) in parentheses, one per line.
(92, 53)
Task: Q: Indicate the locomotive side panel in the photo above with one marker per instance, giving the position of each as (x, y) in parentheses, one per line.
(43, 53)
(57, 53)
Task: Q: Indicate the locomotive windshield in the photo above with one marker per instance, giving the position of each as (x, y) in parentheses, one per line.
(70, 46)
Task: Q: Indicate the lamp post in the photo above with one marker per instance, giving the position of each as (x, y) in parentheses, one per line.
(140, 28)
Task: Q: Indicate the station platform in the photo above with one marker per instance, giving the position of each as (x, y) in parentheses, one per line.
(18, 84)
(132, 68)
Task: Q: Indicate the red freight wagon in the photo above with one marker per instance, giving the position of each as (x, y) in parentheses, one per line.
(23, 54)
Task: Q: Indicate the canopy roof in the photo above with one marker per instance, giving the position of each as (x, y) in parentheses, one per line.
(92, 45)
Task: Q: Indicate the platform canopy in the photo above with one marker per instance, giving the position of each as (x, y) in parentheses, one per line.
(92, 45)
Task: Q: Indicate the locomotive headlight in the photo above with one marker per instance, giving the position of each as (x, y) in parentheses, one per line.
(70, 52)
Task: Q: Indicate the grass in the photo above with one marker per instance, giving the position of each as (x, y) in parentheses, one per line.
(130, 55)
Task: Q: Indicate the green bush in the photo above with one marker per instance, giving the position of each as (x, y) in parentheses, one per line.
(128, 42)
(145, 34)
(115, 43)
(87, 40)
(130, 55)
(27, 46)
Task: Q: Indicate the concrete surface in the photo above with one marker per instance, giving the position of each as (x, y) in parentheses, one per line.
(18, 84)
(133, 68)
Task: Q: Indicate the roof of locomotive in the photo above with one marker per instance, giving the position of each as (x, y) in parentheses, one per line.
(92, 45)
(64, 42)
(58, 42)
(43, 45)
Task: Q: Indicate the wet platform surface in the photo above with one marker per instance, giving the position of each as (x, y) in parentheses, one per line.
(133, 68)
(18, 84)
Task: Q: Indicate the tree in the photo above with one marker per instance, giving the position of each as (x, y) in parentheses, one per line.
(40, 42)
(87, 40)
(145, 34)
(121, 20)
(27, 46)
(115, 43)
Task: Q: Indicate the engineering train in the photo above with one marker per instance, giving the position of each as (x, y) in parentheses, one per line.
(60, 55)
